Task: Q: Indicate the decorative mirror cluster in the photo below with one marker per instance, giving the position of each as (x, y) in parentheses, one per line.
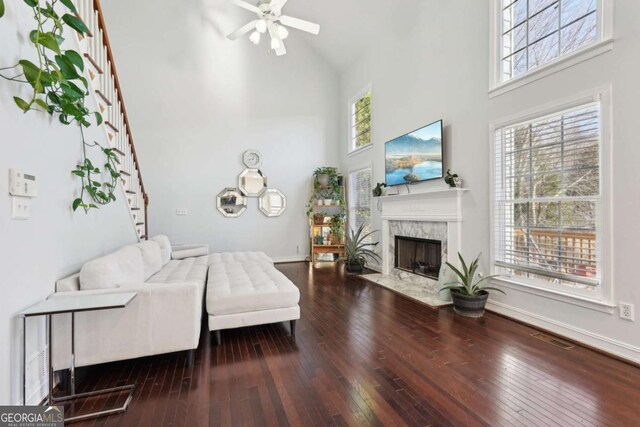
(232, 202)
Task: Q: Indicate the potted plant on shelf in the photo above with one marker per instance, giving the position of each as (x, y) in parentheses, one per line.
(323, 175)
(318, 218)
(452, 179)
(336, 226)
(357, 250)
(326, 195)
(469, 298)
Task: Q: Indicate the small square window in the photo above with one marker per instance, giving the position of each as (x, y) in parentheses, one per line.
(360, 121)
(536, 32)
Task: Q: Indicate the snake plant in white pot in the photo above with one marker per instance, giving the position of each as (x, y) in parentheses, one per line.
(469, 297)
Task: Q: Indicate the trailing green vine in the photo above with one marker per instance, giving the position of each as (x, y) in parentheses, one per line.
(60, 89)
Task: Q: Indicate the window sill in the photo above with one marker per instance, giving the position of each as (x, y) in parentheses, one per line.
(553, 67)
(360, 150)
(580, 301)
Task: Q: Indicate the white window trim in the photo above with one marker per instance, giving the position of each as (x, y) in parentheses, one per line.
(603, 44)
(351, 151)
(602, 298)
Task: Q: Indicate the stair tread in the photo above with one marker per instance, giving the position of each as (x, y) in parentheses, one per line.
(104, 97)
(94, 64)
(111, 125)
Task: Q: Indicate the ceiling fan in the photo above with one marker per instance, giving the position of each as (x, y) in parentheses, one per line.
(272, 21)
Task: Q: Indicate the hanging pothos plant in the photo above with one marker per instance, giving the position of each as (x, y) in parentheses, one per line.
(60, 89)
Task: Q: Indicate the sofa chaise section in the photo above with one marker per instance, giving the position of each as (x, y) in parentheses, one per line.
(245, 289)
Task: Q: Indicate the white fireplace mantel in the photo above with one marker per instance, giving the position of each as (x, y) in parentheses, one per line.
(442, 205)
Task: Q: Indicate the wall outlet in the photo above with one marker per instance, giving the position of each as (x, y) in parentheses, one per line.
(627, 311)
(20, 207)
(182, 211)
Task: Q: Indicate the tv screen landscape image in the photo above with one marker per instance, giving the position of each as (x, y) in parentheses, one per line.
(414, 157)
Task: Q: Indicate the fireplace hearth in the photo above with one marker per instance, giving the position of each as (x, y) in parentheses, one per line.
(418, 256)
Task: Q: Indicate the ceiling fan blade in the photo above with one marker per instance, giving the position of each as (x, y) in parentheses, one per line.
(243, 4)
(242, 31)
(300, 24)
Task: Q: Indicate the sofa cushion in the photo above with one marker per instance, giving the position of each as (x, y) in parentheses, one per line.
(239, 257)
(184, 270)
(151, 257)
(110, 271)
(240, 287)
(165, 247)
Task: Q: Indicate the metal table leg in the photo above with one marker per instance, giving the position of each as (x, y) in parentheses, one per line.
(73, 396)
(24, 361)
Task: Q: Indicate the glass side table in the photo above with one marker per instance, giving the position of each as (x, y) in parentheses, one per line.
(74, 304)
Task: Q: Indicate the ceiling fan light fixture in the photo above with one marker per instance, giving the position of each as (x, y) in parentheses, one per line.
(275, 44)
(255, 37)
(283, 32)
(261, 26)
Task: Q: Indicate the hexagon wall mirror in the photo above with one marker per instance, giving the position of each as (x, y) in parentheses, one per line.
(252, 182)
(272, 202)
(231, 202)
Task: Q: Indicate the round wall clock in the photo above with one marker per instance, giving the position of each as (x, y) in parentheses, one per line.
(252, 159)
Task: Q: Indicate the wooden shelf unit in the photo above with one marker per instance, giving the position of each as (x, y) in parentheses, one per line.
(316, 229)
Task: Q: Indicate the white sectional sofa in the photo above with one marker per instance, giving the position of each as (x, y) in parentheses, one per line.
(164, 317)
(245, 289)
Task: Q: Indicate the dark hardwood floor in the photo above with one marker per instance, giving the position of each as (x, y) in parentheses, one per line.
(366, 356)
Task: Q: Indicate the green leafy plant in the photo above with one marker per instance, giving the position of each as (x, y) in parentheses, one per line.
(59, 88)
(325, 193)
(333, 189)
(357, 249)
(100, 193)
(336, 226)
(450, 178)
(466, 283)
(325, 170)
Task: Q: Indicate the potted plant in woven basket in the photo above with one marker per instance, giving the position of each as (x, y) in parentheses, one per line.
(469, 297)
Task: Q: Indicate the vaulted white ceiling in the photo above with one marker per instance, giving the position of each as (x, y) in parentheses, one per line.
(350, 26)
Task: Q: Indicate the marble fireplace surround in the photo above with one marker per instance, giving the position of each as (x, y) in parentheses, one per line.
(435, 214)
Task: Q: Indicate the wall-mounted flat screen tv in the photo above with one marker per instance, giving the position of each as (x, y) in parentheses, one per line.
(414, 157)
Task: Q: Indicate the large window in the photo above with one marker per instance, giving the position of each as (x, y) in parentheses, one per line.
(360, 199)
(360, 120)
(535, 32)
(547, 207)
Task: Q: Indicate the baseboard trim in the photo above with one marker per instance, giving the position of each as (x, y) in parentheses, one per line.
(285, 259)
(609, 346)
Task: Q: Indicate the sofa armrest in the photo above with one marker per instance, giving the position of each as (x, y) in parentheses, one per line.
(189, 251)
(163, 318)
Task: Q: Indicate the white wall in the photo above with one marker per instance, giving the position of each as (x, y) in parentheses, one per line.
(198, 101)
(440, 70)
(54, 242)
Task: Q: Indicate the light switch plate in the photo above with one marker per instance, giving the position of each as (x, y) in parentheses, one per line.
(20, 207)
(182, 211)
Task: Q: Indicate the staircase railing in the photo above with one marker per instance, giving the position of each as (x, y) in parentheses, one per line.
(104, 80)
